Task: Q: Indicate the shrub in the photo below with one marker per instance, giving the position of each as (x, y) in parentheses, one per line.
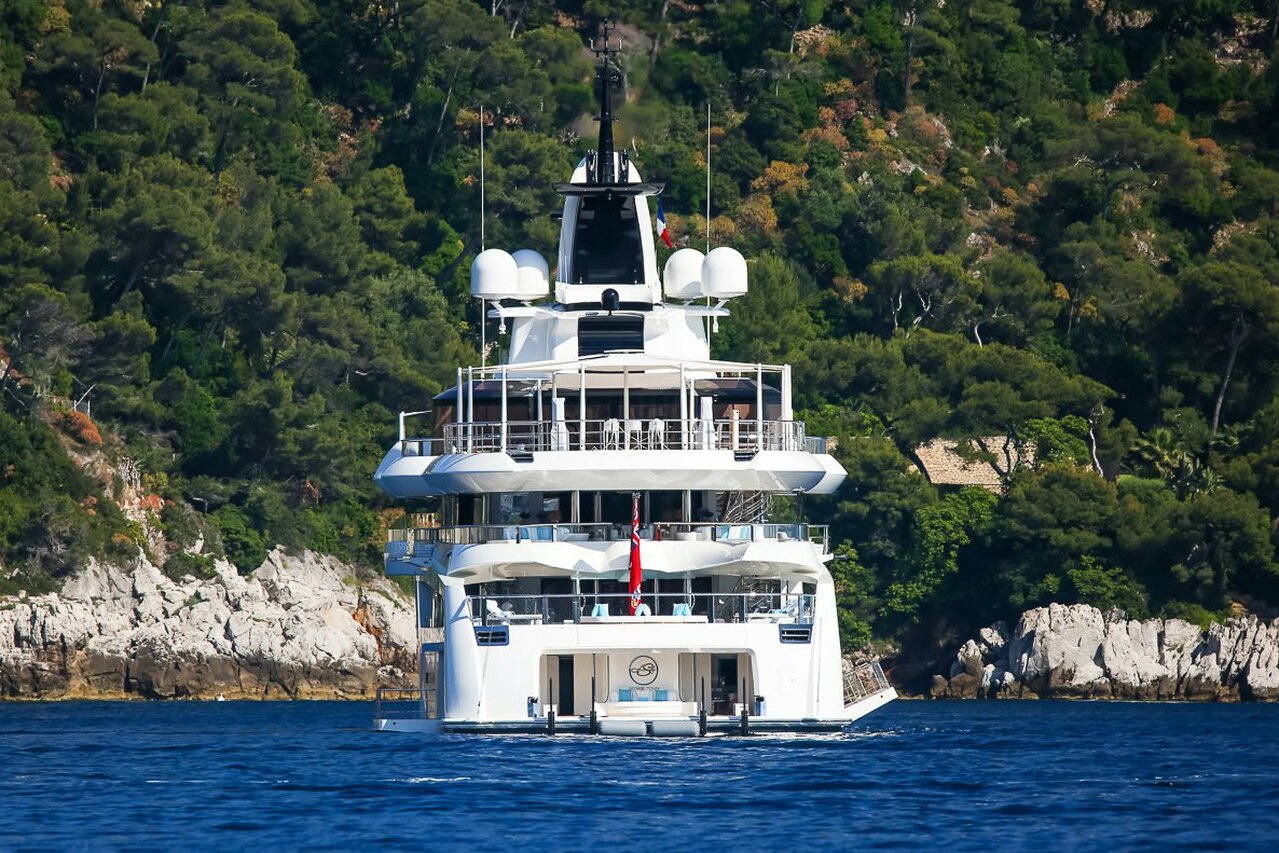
(1105, 587)
(182, 565)
(78, 426)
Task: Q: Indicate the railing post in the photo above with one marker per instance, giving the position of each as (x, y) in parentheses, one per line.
(701, 716)
(550, 707)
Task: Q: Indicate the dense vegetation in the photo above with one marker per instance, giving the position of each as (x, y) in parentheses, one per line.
(1045, 229)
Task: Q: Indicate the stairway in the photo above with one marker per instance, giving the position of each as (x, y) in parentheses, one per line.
(744, 507)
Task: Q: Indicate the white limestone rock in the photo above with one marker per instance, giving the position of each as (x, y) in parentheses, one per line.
(1054, 649)
(1077, 651)
(299, 626)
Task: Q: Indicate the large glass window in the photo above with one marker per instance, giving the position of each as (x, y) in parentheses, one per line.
(606, 242)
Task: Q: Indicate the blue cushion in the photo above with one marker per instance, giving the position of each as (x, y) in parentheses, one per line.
(623, 694)
(661, 695)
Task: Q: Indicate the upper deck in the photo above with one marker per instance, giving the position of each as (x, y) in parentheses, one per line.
(613, 421)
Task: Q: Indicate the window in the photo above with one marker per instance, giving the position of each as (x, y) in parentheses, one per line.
(606, 242)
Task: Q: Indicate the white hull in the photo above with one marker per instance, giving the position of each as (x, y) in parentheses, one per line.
(655, 727)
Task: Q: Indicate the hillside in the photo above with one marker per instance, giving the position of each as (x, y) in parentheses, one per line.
(235, 239)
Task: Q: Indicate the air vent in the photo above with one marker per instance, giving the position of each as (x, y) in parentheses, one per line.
(520, 455)
(796, 633)
(496, 635)
(743, 455)
(602, 334)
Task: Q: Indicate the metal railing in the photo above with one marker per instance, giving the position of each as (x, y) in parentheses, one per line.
(862, 681)
(730, 607)
(404, 703)
(744, 434)
(709, 531)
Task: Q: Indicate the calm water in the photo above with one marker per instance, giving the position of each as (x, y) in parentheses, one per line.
(290, 775)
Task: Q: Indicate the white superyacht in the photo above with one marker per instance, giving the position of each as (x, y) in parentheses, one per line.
(602, 558)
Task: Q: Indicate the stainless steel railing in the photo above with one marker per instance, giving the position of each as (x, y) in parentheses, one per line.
(862, 681)
(404, 703)
(735, 607)
(475, 534)
(742, 434)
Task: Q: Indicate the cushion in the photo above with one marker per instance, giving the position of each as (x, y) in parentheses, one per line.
(624, 694)
(661, 695)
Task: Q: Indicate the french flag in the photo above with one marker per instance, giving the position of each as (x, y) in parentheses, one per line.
(661, 225)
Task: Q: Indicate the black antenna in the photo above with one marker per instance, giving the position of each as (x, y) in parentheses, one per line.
(607, 75)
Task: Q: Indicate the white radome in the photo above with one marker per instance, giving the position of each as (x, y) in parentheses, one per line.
(682, 276)
(724, 274)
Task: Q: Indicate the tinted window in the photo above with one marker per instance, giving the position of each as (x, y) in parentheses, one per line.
(606, 242)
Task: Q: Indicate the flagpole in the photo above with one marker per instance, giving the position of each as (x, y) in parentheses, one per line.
(483, 322)
(707, 320)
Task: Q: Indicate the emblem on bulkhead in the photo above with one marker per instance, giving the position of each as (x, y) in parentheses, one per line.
(643, 670)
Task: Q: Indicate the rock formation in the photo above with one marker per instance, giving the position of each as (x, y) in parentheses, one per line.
(1077, 651)
(297, 627)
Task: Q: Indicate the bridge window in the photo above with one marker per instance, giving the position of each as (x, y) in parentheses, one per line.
(606, 242)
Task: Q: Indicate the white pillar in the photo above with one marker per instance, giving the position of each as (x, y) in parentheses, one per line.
(759, 405)
(470, 410)
(626, 405)
(503, 408)
(683, 410)
(581, 407)
(458, 413)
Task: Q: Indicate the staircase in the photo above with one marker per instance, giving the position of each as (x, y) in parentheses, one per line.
(744, 507)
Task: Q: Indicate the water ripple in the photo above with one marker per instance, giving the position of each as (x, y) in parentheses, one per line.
(968, 776)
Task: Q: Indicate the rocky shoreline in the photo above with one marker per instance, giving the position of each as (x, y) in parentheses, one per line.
(303, 627)
(1078, 652)
(299, 627)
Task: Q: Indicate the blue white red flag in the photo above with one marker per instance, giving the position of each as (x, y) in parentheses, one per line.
(661, 225)
(637, 573)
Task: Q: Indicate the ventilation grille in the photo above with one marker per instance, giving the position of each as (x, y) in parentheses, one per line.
(496, 635)
(796, 633)
(597, 335)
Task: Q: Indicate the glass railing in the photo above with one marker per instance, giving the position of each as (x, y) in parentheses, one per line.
(614, 608)
(738, 434)
(477, 534)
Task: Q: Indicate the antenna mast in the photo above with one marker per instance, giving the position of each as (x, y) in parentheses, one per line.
(607, 75)
(708, 176)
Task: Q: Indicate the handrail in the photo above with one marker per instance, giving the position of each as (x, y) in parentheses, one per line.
(710, 531)
(738, 434)
(389, 703)
(864, 680)
(726, 607)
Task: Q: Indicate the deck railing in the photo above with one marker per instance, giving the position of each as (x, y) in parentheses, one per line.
(739, 434)
(404, 703)
(864, 680)
(731, 607)
(476, 534)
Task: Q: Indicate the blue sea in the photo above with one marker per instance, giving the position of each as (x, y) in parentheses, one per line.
(1004, 775)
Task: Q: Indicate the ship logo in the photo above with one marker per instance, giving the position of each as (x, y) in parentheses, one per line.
(643, 670)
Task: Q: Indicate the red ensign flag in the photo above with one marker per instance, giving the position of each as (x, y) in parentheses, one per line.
(637, 573)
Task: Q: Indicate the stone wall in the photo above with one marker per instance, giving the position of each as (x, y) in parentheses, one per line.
(298, 627)
(1077, 651)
